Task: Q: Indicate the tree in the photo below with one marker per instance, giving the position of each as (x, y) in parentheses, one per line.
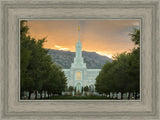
(122, 75)
(104, 78)
(86, 89)
(71, 88)
(134, 71)
(135, 61)
(27, 82)
(135, 36)
(38, 71)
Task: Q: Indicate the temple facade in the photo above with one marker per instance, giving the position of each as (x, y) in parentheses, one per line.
(78, 75)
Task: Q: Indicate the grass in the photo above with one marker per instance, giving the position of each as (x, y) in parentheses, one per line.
(77, 98)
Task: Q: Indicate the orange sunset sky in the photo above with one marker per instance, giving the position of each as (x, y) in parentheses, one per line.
(105, 37)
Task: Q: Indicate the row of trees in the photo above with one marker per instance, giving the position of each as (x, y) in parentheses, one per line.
(123, 74)
(38, 71)
(85, 89)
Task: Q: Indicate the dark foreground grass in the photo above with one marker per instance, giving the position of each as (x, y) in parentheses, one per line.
(77, 98)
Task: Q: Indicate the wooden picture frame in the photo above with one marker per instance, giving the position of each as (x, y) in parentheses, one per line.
(145, 108)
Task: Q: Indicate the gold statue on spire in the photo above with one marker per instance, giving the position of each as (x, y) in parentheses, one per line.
(78, 28)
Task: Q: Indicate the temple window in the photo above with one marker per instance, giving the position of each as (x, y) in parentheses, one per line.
(78, 75)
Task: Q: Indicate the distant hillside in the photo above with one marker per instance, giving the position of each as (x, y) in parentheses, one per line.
(65, 59)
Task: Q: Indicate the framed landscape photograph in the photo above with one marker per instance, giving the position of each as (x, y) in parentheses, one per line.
(103, 63)
(79, 59)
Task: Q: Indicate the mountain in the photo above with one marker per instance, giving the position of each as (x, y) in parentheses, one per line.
(66, 58)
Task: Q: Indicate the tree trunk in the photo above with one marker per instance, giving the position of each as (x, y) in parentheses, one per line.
(116, 95)
(129, 94)
(121, 95)
(45, 94)
(41, 94)
(48, 95)
(29, 97)
(22, 94)
(109, 95)
(35, 94)
(136, 96)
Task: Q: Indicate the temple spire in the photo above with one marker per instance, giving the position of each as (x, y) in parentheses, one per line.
(78, 33)
(78, 45)
(78, 59)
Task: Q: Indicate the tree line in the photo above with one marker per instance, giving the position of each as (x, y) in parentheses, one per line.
(85, 88)
(38, 71)
(122, 75)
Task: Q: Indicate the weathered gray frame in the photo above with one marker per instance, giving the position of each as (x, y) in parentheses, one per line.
(12, 11)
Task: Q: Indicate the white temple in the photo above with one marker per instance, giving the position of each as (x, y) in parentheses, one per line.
(78, 75)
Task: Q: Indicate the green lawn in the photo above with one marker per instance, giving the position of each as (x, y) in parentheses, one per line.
(77, 98)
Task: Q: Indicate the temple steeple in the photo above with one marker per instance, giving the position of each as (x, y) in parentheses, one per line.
(78, 60)
(78, 75)
(79, 33)
(78, 45)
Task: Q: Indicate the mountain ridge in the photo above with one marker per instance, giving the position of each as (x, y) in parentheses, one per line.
(66, 58)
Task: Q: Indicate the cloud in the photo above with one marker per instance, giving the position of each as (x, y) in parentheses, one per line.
(103, 36)
(60, 48)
